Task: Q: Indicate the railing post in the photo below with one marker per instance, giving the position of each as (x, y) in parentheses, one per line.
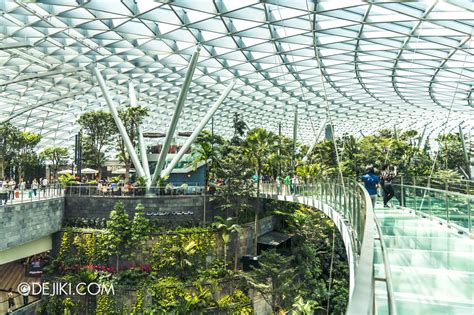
(446, 201)
(469, 223)
(402, 192)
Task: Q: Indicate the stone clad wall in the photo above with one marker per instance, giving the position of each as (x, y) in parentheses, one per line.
(178, 209)
(30, 221)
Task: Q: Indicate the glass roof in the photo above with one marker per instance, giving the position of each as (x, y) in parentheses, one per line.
(370, 65)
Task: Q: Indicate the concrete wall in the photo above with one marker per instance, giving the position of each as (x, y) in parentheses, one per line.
(29, 221)
(178, 209)
(246, 235)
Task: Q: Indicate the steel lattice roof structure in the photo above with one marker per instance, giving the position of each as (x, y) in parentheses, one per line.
(370, 65)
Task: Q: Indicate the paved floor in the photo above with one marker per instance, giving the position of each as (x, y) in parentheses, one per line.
(432, 266)
(11, 275)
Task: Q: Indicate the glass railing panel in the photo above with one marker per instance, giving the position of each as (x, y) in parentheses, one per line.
(459, 208)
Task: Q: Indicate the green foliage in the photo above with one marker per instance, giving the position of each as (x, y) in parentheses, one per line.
(273, 279)
(450, 154)
(67, 179)
(180, 254)
(98, 128)
(56, 155)
(132, 118)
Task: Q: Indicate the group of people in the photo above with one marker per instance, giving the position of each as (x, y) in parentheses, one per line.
(9, 189)
(384, 182)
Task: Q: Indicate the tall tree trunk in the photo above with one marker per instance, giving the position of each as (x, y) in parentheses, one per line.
(2, 167)
(206, 184)
(257, 210)
(236, 249)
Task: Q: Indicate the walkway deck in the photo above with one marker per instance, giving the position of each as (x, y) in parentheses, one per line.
(432, 266)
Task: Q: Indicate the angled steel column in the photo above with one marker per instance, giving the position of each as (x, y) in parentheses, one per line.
(321, 129)
(420, 141)
(177, 112)
(198, 130)
(141, 141)
(141, 144)
(119, 123)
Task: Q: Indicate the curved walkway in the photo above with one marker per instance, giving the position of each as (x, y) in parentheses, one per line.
(430, 263)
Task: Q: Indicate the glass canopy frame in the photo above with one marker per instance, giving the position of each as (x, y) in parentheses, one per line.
(382, 64)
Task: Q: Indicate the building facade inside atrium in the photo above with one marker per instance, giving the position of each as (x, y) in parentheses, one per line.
(236, 157)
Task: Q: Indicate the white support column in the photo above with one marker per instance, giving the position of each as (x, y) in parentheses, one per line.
(119, 123)
(320, 131)
(132, 95)
(177, 112)
(141, 142)
(198, 129)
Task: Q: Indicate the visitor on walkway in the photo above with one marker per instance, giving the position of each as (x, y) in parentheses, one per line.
(371, 182)
(278, 185)
(34, 186)
(11, 300)
(11, 189)
(294, 184)
(287, 181)
(44, 185)
(4, 193)
(184, 188)
(386, 177)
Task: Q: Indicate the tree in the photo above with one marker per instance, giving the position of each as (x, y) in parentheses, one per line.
(225, 227)
(132, 118)
(26, 156)
(118, 233)
(98, 128)
(56, 155)
(450, 154)
(9, 141)
(259, 144)
(141, 228)
(273, 279)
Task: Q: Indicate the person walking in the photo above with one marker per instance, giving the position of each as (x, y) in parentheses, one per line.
(34, 186)
(371, 182)
(11, 299)
(287, 182)
(386, 178)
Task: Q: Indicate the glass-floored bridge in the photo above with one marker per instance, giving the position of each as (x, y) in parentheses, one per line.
(422, 248)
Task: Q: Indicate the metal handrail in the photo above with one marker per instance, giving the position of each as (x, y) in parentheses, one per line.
(392, 310)
(362, 298)
(348, 200)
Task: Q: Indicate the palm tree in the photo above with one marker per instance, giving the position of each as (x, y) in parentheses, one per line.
(260, 144)
(205, 152)
(225, 228)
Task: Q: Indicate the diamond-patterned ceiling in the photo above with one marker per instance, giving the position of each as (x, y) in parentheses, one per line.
(368, 65)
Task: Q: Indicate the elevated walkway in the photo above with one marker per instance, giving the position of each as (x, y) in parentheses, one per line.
(416, 259)
(431, 265)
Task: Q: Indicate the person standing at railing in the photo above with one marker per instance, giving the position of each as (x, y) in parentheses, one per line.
(371, 182)
(11, 189)
(34, 186)
(4, 193)
(287, 182)
(386, 177)
(278, 185)
(44, 185)
(294, 184)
